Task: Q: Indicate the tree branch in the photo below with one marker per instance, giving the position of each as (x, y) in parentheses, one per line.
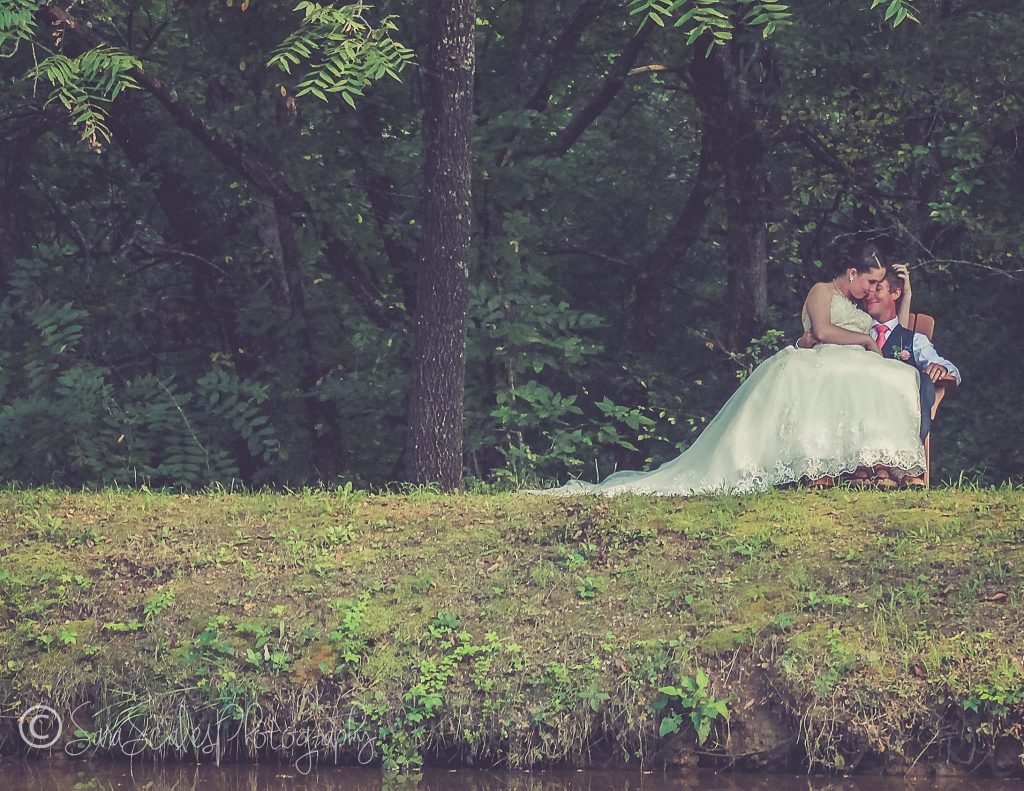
(820, 152)
(599, 102)
(255, 172)
(565, 42)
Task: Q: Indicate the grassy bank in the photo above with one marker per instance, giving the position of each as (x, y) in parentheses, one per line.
(838, 630)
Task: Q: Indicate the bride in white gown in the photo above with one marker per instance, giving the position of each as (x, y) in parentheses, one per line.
(802, 413)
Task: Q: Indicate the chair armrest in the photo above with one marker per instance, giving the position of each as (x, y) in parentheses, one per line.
(946, 384)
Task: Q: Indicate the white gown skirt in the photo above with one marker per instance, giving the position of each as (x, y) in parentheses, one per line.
(803, 413)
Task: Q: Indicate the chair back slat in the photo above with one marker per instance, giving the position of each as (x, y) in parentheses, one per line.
(923, 323)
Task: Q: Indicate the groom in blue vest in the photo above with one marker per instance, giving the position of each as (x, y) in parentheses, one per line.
(899, 343)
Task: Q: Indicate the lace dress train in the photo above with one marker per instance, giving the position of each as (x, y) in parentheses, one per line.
(802, 414)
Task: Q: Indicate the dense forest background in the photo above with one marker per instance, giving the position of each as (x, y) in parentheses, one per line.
(168, 318)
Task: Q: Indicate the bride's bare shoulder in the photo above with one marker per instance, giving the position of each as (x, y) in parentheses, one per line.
(819, 292)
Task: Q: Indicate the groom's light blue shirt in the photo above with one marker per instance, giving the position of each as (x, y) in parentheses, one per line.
(924, 351)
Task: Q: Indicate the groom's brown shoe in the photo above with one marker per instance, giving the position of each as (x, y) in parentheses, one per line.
(883, 478)
(914, 482)
(859, 479)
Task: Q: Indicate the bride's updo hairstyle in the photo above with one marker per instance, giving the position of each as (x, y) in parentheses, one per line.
(862, 256)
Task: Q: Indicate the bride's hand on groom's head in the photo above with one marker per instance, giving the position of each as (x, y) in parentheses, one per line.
(903, 273)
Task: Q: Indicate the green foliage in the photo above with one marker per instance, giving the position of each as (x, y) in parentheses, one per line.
(63, 418)
(896, 10)
(209, 650)
(638, 424)
(691, 698)
(538, 342)
(715, 18)
(719, 19)
(523, 357)
(998, 694)
(157, 603)
(962, 151)
(17, 24)
(85, 84)
(155, 266)
(236, 405)
(402, 738)
(349, 52)
(839, 661)
(588, 587)
(548, 432)
(345, 51)
(568, 687)
(348, 639)
(261, 654)
(759, 350)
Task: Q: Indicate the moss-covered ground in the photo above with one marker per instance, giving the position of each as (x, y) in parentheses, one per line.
(839, 630)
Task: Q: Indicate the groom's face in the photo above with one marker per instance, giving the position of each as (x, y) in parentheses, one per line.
(881, 302)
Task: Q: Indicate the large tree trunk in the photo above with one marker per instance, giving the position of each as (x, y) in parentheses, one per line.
(726, 86)
(434, 446)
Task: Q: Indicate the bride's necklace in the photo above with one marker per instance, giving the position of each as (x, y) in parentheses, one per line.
(840, 293)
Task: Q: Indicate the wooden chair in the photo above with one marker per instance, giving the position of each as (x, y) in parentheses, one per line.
(925, 324)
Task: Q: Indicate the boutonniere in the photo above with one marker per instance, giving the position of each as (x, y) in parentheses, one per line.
(900, 353)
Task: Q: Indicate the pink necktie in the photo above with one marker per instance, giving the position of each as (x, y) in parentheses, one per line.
(883, 332)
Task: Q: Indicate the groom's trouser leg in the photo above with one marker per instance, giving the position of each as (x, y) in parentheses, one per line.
(927, 401)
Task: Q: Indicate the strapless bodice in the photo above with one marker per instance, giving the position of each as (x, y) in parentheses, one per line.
(846, 315)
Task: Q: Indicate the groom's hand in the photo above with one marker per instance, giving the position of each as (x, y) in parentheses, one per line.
(935, 372)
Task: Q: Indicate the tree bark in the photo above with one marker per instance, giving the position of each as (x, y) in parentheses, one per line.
(437, 391)
(730, 118)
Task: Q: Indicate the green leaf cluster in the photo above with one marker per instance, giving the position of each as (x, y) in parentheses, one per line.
(345, 52)
(63, 418)
(86, 84)
(692, 698)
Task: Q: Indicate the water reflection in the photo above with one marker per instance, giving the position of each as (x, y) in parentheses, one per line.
(65, 775)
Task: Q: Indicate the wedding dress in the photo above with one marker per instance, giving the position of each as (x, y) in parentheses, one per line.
(802, 413)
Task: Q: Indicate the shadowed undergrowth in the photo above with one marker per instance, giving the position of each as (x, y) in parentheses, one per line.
(833, 630)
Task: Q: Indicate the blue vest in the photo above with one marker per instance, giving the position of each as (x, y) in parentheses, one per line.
(899, 338)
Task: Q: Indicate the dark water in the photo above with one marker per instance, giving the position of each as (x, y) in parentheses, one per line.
(62, 774)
